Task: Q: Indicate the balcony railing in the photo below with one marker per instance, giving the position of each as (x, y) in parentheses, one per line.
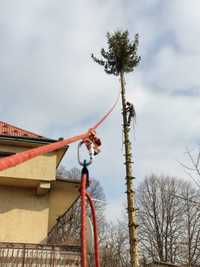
(25, 255)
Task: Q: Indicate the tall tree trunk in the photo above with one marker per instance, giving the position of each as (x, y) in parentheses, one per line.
(129, 182)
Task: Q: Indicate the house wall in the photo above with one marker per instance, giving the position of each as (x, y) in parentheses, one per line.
(27, 217)
(40, 168)
(23, 215)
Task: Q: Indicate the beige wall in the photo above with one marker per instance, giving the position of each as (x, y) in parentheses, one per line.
(26, 217)
(23, 215)
(40, 168)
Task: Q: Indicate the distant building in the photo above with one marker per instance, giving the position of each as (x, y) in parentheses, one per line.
(31, 197)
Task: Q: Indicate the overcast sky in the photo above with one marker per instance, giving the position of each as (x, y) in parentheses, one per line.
(50, 85)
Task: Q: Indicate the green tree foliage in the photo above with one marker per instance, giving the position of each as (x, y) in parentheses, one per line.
(121, 55)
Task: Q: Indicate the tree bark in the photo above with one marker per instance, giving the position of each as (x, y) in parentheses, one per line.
(129, 182)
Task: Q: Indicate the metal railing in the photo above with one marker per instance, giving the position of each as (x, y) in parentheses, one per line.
(25, 255)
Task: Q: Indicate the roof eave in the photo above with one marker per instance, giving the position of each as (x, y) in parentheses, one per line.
(27, 139)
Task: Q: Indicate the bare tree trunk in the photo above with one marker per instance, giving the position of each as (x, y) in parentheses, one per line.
(129, 178)
(189, 232)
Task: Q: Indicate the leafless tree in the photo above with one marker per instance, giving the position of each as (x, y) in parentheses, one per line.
(160, 218)
(169, 216)
(192, 167)
(73, 174)
(115, 247)
(190, 244)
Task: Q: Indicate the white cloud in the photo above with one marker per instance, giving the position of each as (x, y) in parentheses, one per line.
(183, 17)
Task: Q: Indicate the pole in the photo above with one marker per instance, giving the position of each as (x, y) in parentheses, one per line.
(129, 182)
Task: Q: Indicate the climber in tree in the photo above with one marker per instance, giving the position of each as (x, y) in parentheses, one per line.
(131, 114)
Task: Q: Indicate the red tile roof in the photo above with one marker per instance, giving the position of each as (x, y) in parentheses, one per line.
(10, 130)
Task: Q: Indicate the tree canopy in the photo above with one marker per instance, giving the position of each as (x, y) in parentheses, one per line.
(121, 55)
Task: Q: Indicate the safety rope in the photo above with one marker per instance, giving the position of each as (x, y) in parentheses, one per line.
(107, 114)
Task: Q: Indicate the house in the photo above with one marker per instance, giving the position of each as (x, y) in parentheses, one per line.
(31, 197)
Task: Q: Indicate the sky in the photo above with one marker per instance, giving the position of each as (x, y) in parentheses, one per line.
(50, 85)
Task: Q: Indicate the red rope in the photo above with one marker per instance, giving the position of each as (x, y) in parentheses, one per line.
(107, 114)
(95, 230)
(84, 179)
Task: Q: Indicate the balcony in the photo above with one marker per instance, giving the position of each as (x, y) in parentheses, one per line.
(26, 255)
